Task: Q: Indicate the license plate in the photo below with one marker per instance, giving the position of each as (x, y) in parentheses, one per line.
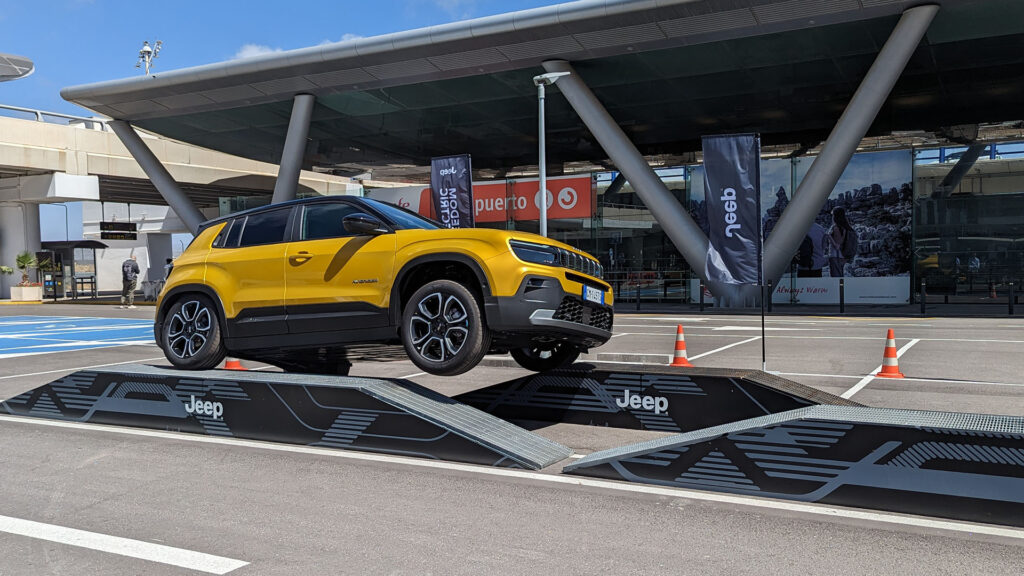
(593, 295)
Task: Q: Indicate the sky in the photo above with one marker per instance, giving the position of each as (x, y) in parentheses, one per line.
(82, 41)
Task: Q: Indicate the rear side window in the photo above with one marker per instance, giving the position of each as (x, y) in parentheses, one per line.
(325, 221)
(264, 228)
(236, 231)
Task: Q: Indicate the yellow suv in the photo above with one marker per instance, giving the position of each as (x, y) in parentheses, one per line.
(294, 284)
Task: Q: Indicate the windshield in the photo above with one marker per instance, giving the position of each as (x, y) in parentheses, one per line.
(403, 219)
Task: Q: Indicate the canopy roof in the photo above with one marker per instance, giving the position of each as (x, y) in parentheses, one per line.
(668, 71)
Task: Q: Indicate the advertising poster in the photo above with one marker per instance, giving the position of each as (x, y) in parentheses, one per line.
(451, 184)
(875, 195)
(732, 197)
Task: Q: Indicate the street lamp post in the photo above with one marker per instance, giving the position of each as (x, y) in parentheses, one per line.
(542, 165)
(65, 207)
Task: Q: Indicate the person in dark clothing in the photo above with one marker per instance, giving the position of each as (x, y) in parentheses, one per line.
(129, 281)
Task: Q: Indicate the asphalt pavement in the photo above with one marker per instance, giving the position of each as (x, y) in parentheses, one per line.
(192, 504)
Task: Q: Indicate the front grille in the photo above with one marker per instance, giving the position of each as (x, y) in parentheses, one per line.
(572, 310)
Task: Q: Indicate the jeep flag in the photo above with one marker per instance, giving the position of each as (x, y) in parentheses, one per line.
(451, 185)
(732, 185)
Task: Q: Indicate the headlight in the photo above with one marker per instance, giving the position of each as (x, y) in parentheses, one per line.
(553, 256)
(535, 253)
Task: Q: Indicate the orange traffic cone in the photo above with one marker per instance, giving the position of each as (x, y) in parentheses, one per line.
(890, 364)
(233, 364)
(992, 291)
(679, 356)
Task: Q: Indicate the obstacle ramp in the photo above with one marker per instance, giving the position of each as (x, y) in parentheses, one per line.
(953, 465)
(375, 415)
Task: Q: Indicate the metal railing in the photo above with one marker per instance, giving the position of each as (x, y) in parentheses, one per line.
(42, 115)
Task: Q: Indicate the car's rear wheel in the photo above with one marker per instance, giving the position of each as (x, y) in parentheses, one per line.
(545, 356)
(191, 337)
(443, 329)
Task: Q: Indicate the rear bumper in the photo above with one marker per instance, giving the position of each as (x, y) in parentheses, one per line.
(542, 311)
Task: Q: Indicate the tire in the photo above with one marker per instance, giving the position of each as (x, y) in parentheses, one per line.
(546, 357)
(191, 334)
(443, 329)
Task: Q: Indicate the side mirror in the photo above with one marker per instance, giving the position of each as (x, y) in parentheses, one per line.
(362, 224)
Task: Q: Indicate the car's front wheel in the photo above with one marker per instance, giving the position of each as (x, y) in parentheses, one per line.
(545, 357)
(443, 329)
(191, 336)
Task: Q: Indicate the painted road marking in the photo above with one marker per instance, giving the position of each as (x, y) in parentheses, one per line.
(417, 373)
(121, 546)
(864, 381)
(909, 378)
(28, 335)
(758, 328)
(70, 370)
(726, 347)
(965, 528)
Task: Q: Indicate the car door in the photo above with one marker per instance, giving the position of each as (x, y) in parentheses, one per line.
(248, 273)
(336, 281)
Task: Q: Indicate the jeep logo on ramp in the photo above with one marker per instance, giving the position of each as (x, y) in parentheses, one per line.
(659, 404)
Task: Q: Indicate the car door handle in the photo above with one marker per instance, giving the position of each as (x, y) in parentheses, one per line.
(300, 257)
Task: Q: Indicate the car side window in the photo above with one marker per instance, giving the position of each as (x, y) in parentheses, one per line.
(324, 220)
(236, 226)
(264, 228)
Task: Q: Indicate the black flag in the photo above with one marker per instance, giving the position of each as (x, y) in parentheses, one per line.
(451, 187)
(732, 191)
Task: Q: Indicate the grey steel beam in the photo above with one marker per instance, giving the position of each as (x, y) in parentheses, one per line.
(959, 170)
(675, 221)
(294, 148)
(158, 175)
(824, 173)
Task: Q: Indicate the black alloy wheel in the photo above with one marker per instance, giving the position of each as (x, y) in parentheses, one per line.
(548, 356)
(191, 336)
(443, 329)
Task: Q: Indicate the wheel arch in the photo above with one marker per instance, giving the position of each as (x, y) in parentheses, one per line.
(410, 269)
(172, 296)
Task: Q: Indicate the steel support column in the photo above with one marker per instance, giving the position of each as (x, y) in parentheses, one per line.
(680, 228)
(158, 175)
(959, 170)
(294, 148)
(843, 140)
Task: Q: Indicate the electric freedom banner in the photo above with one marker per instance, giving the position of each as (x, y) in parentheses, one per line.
(451, 183)
(732, 189)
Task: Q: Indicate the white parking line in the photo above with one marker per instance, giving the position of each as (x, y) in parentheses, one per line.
(419, 373)
(750, 501)
(122, 546)
(70, 370)
(864, 381)
(726, 347)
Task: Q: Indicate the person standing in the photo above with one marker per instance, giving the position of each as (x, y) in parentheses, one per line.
(842, 241)
(811, 255)
(129, 281)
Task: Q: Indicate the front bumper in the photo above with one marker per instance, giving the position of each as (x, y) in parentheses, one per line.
(543, 311)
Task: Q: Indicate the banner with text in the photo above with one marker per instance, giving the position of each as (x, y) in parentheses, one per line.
(732, 191)
(451, 183)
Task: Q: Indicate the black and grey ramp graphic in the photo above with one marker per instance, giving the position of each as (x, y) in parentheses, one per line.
(394, 417)
(953, 465)
(646, 397)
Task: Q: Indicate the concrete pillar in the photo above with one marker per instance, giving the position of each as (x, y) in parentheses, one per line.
(294, 148)
(158, 175)
(160, 250)
(19, 231)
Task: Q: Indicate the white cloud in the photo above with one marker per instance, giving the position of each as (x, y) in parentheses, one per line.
(251, 50)
(344, 38)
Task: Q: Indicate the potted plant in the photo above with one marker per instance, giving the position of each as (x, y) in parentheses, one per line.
(25, 290)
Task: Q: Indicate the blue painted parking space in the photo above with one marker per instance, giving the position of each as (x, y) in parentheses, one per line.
(30, 335)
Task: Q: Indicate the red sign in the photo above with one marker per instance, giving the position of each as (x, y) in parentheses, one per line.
(568, 197)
